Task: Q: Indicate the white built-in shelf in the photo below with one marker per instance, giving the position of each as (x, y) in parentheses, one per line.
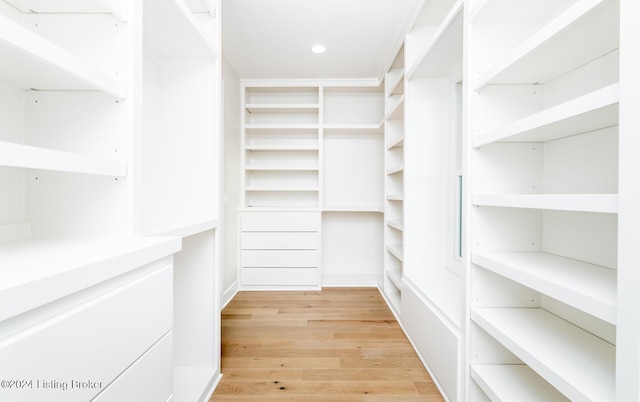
(32, 62)
(396, 143)
(577, 363)
(281, 108)
(25, 156)
(395, 169)
(396, 110)
(352, 208)
(281, 127)
(596, 110)
(294, 208)
(588, 287)
(395, 81)
(185, 39)
(292, 147)
(586, 21)
(340, 129)
(281, 167)
(444, 48)
(37, 271)
(602, 203)
(396, 224)
(514, 382)
(282, 188)
(395, 275)
(395, 250)
(395, 197)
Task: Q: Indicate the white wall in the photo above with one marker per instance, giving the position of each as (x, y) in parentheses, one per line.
(231, 134)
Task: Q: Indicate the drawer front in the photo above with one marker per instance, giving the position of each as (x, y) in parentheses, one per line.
(148, 379)
(86, 347)
(279, 240)
(280, 222)
(279, 276)
(280, 258)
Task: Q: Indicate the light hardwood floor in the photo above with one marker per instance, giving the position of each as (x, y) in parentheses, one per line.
(338, 344)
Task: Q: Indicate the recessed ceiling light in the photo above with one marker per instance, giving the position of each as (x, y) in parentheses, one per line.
(318, 48)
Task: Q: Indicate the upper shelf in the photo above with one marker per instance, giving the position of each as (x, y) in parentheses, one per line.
(443, 49)
(171, 30)
(32, 62)
(587, 21)
(25, 156)
(593, 111)
(588, 287)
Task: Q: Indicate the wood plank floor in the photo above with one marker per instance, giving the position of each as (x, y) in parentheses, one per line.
(338, 344)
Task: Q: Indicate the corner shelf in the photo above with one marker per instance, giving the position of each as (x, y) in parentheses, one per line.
(32, 62)
(396, 277)
(577, 363)
(588, 287)
(24, 156)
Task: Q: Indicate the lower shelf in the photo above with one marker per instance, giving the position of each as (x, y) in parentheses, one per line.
(510, 382)
(577, 363)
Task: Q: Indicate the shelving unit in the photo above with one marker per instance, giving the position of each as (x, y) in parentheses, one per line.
(316, 147)
(104, 207)
(544, 161)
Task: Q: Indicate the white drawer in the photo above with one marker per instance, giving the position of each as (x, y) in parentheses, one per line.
(148, 379)
(280, 222)
(279, 276)
(279, 241)
(279, 258)
(91, 343)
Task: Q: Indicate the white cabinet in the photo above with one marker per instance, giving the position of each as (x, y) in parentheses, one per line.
(280, 249)
(52, 347)
(109, 137)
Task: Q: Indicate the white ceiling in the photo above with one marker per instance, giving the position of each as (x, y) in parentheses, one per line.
(272, 39)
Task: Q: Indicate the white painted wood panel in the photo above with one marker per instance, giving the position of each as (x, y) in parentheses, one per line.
(280, 221)
(148, 379)
(279, 276)
(279, 240)
(280, 258)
